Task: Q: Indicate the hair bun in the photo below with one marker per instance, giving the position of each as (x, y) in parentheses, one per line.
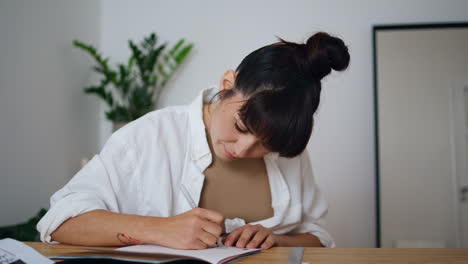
(324, 53)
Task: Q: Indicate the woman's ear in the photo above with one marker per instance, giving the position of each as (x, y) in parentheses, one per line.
(227, 81)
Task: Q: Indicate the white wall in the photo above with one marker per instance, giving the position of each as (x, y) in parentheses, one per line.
(46, 122)
(342, 144)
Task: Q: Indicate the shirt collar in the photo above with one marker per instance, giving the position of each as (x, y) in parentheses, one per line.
(273, 156)
(199, 146)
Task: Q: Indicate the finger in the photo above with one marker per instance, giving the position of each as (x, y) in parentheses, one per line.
(198, 244)
(268, 243)
(211, 215)
(212, 228)
(231, 239)
(259, 237)
(207, 238)
(245, 237)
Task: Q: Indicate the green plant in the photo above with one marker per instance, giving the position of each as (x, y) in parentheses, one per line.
(24, 231)
(133, 89)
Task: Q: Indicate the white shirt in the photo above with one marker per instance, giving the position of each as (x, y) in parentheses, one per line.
(144, 166)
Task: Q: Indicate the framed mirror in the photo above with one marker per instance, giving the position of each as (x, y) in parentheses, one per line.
(421, 106)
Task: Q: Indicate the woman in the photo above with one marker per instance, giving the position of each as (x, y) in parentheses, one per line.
(176, 175)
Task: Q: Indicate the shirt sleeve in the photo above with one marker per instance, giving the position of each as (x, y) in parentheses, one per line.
(314, 206)
(93, 187)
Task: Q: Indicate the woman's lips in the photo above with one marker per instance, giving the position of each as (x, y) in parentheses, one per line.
(228, 154)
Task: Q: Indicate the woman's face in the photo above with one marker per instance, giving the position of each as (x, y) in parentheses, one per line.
(230, 138)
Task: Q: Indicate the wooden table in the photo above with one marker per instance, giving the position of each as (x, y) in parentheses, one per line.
(320, 255)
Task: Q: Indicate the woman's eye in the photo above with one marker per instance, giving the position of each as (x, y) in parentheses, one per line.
(239, 129)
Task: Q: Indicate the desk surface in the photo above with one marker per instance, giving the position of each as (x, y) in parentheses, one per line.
(320, 255)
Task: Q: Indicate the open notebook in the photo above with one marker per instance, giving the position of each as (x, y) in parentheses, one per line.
(158, 254)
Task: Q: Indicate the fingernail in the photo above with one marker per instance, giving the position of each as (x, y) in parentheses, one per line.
(250, 245)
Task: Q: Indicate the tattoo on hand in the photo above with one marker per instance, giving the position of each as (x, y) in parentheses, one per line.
(128, 240)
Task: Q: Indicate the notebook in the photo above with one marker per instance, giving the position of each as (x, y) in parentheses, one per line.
(159, 254)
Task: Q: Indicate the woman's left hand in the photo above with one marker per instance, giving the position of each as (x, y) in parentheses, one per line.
(251, 236)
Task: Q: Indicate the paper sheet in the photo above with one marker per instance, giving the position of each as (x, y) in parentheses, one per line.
(15, 252)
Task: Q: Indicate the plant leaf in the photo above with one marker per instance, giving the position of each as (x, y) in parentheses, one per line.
(176, 47)
(179, 57)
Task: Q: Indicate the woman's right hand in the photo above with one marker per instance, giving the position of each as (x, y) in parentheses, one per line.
(198, 228)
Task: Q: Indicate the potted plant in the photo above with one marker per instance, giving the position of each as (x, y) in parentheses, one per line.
(132, 89)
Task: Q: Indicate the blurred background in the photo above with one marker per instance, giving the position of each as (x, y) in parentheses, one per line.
(48, 125)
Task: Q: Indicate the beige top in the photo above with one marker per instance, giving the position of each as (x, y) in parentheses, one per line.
(237, 188)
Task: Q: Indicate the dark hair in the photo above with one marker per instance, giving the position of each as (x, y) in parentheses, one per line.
(281, 82)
